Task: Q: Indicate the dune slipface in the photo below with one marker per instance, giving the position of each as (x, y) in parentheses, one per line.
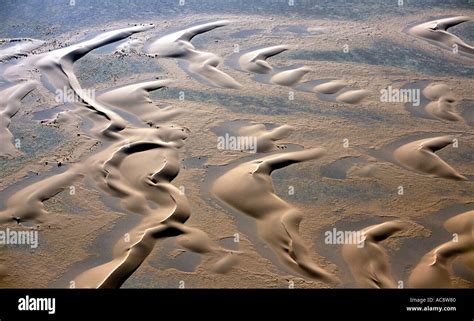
(420, 156)
(435, 269)
(255, 61)
(10, 101)
(437, 31)
(248, 188)
(266, 139)
(204, 64)
(368, 261)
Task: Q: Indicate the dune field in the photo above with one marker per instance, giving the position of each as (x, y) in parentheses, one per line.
(272, 146)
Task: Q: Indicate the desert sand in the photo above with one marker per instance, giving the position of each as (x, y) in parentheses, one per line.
(128, 187)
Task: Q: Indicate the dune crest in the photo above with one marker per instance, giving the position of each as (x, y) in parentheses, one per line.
(420, 156)
(255, 61)
(437, 30)
(204, 64)
(368, 261)
(266, 138)
(435, 269)
(248, 188)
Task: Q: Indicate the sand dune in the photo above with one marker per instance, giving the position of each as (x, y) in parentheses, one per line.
(330, 87)
(420, 156)
(289, 77)
(435, 269)
(135, 99)
(266, 139)
(437, 30)
(57, 66)
(369, 262)
(140, 173)
(204, 64)
(15, 48)
(10, 101)
(255, 61)
(248, 188)
(27, 204)
(442, 102)
(353, 96)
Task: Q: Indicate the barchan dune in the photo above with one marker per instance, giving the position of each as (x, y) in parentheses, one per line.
(330, 87)
(135, 99)
(249, 189)
(266, 138)
(255, 61)
(290, 77)
(437, 31)
(369, 262)
(420, 156)
(353, 96)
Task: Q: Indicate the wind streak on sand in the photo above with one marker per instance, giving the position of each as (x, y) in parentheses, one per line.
(204, 64)
(248, 188)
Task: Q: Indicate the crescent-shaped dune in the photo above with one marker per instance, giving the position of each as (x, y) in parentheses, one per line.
(10, 102)
(255, 61)
(443, 109)
(248, 188)
(434, 269)
(420, 156)
(289, 77)
(353, 96)
(436, 30)
(369, 262)
(140, 173)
